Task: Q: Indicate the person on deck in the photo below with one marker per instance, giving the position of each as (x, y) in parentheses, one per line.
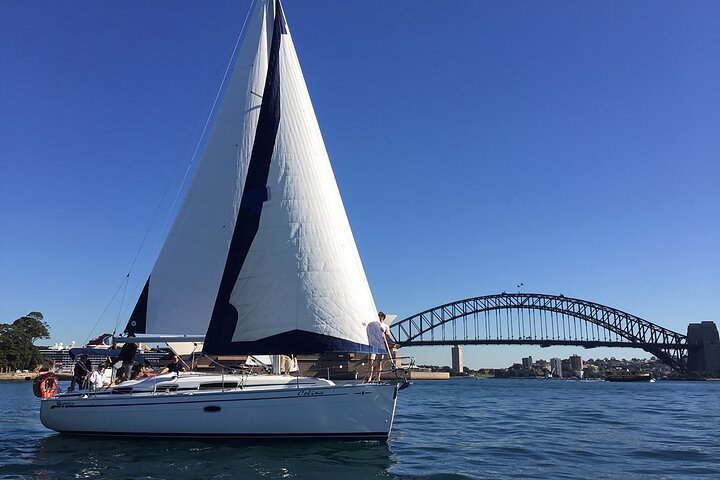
(376, 359)
(127, 357)
(286, 364)
(176, 366)
(97, 378)
(80, 373)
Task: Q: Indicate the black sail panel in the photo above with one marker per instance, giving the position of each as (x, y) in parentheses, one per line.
(138, 318)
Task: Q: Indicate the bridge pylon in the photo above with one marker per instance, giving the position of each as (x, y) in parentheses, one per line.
(703, 348)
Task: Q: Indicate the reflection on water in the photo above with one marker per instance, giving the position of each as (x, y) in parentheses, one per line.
(81, 457)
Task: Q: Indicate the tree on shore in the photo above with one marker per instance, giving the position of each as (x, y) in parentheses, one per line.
(17, 351)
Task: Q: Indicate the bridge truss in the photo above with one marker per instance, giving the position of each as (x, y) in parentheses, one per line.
(538, 319)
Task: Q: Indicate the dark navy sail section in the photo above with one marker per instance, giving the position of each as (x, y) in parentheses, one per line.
(138, 318)
(297, 342)
(224, 317)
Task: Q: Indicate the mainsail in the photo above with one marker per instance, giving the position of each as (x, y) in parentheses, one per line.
(261, 257)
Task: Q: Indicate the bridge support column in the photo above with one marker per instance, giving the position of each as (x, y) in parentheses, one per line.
(457, 360)
(703, 348)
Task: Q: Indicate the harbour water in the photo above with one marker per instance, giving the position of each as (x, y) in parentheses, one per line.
(453, 429)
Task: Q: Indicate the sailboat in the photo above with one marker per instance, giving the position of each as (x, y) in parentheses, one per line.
(259, 260)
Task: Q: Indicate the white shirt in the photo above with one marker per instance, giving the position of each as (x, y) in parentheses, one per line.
(96, 380)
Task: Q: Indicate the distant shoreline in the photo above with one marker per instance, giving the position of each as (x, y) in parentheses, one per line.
(20, 377)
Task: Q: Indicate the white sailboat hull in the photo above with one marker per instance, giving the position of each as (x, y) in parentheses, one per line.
(363, 411)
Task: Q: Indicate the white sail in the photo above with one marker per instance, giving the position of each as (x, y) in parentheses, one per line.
(303, 270)
(262, 247)
(181, 291)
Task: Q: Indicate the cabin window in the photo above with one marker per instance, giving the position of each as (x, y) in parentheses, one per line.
(217, 385)
(166, 387)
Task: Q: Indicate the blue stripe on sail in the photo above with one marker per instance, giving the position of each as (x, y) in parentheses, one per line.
(224, 317)
(295, 342)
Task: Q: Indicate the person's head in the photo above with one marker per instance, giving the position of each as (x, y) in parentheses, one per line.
(176, 359)
(381, 316)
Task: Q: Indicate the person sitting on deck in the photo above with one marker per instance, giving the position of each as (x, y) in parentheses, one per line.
(141, 371)
(176, 366)
(97, 378)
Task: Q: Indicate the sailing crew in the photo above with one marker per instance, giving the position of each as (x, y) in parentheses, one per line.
(376, 359)
(127, 359)
(80, 373)
(176, 366)
(97, 378)
(286, 364)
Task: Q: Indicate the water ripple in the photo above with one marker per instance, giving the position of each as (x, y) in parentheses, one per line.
(461, 429)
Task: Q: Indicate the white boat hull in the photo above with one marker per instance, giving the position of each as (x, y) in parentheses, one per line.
(355, 410)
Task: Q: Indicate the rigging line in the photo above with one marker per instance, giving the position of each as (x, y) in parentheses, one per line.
(126, 307)
(105, 310)
(122, 301)
(192, 158)
(210, 115)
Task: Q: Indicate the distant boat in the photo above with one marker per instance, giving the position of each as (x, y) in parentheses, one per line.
(260, 260)
(627, 376)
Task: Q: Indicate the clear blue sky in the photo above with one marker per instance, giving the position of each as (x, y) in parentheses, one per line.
(571, 146)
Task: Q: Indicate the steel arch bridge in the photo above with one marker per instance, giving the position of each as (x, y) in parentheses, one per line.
(538, 319)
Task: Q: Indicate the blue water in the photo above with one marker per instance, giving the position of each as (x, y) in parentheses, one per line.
(444, 430)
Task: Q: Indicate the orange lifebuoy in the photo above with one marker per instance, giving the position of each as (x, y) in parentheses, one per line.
(45, 386)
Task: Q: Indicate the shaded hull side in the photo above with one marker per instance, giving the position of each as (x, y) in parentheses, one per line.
(347, 411)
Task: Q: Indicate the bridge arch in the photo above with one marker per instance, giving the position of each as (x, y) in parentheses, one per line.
(539, 319)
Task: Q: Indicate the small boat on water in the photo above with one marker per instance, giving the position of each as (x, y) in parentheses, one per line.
(260, 260)
(628, 376)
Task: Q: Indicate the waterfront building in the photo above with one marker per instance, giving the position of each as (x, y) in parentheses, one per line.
(556, 367)
(527, 362)
(566, 368)
(576, 363)
(457, 360)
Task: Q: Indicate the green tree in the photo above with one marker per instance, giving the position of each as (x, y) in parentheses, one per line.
(17, 351)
